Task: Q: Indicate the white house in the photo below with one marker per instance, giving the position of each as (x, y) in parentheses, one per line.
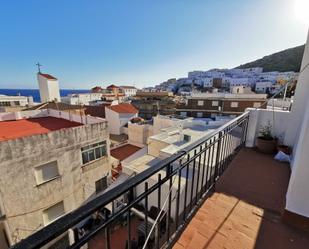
(118, 116)
(129, 90)
(81, 98)
(263, 87)
(49, 87)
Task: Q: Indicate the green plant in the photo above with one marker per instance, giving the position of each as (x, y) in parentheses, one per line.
(265, 132)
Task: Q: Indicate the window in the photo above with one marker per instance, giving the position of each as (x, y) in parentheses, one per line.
(184, 114)
(200, 102)
(101, 185)
(234, 104)
(93, 152)
(4, 103)
(52, 213)
(46, 172)
(256, 104)
(199, 114)
(215, 103)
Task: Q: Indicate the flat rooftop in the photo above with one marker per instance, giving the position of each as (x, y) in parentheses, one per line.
(13, 129)
(174, 137)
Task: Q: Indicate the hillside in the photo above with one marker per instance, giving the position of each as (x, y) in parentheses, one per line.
(286, 60)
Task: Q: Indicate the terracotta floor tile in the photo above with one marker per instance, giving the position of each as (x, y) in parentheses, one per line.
(244, 212)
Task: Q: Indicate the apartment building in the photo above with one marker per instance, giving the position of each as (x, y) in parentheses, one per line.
(51, 162)
(151, 104)
(129, 91)
(81, 98)
(211, 104)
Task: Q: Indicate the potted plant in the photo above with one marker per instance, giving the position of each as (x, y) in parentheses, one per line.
(265, 142)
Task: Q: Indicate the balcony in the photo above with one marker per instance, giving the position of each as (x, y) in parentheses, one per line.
(245, 209)
(215, 193)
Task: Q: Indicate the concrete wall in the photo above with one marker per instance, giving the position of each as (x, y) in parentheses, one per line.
(136, 155)
(298, 194)
(298, 135)
(49, 89)
(138, 134)
(117, 120)
(23, 200)
(300, 100)
(260, 117)
(83, 119)
(154, 147)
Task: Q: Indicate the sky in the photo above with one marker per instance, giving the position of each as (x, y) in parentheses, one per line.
(138, 42)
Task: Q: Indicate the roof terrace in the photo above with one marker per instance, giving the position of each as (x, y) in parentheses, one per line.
(34, 122)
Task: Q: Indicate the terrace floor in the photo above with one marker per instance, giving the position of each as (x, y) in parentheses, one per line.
(245, 210)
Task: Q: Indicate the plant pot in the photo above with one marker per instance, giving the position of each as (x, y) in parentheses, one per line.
(267, 146)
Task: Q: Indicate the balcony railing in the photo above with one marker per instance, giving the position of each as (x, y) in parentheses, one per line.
(165, 196)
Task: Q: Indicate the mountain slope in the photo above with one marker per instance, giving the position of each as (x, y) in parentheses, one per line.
(286, 60)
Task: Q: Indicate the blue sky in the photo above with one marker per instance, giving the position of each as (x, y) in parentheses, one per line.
(87, 43)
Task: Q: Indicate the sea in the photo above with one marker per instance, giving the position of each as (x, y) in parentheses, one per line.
(36, 94)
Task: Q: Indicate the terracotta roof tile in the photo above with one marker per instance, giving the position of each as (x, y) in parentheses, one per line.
(124, 151)
(123, 108)
(48, 76)
(33, 126)
(112, 86)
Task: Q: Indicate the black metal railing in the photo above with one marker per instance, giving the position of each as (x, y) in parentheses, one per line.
(156, 203)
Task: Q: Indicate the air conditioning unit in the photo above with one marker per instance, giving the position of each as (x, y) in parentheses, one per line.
(186, 138)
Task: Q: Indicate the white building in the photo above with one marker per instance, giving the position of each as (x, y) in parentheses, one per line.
(129, 90)
(263, 87)
(240, 89)
(247, 82)
(118, 117)
(81, 98)
(206, 82)
(14, 103)
(49, 87)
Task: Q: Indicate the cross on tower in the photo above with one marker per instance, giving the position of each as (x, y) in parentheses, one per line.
(39, 67)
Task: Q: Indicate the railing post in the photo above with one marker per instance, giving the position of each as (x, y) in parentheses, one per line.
(218, 154)
(107, 235)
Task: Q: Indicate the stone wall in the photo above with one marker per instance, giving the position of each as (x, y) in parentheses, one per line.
(23, 200)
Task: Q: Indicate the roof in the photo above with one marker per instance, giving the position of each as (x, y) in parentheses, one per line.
(92, 110)
(123, 108)
(96, 110)
(96, 89)
(54, 105)
(124, 151)
(33, 126)
(128, 87)
(48, 76)
(112, 86)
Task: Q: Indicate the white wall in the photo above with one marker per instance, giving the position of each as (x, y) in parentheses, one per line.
(49, 89)
(261, 117)
(116, 121)
(297, 199)
(113, 121)
(138, 134)
(298, 135)
(300, 101)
